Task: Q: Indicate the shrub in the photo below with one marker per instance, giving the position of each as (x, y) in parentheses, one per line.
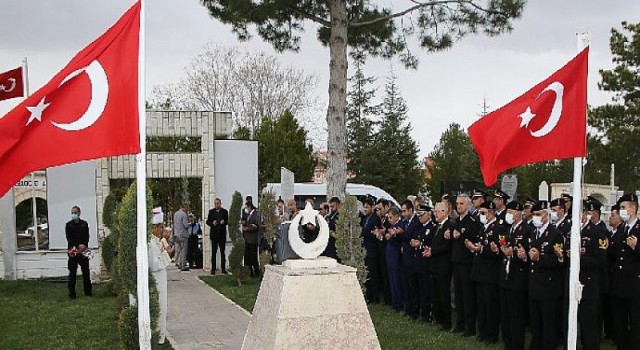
(349, 242)
(236, 256)
(270, 221)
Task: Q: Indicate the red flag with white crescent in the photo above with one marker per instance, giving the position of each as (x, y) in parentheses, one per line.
(11, 84)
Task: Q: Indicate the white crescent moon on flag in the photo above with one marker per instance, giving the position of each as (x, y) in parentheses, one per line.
(556, 111)
(99, 94)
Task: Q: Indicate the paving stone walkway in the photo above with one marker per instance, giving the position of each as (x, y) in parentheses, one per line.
(201, 318)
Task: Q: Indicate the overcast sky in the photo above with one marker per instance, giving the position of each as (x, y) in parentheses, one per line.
(447, 87)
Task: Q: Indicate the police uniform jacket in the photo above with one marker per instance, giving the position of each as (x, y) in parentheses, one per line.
(616, 242)
(564, 226)
(592, 259)
(626, 271)
(546, 274)
(370, 241)
(425, 235)
(468, 227)
(440, 260)
(517, 276)
(501, 218)
(411, 231)
(486, 263)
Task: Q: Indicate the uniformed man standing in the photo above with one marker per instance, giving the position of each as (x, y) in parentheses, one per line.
(545, 279)
(514, 277)
(410, 278)
(485, 272)
(527, 215)
(422, 268)
(616, 241)
(500, 199)
(439, 254)
(559, 216)
(465, 227)
(626, 277)
(476, 200)
(393, 259)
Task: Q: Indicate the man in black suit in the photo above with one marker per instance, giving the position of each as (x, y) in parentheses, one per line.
(421, 267)
(217, 220)
(500, 199)
(372, 260)
(77, 233)
(615, 239)
(545, 279)
(409, 275)
(439, 254)
(332, 218)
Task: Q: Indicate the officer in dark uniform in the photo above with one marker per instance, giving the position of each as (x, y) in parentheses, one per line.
(477, 198)
(439, 255)
(371, 241)
(332, 218)
(568, 203)
(626, 277)
(527, 215)
(410, 278)
(615, 239)
(392, 257)
(422, 268)
(465, 227)
(501, 199)
(559, 216)
(485, 271)
(514, 277)
(545, 279)
(592, 258)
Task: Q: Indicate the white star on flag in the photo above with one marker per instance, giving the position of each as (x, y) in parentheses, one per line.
(526, 117)
(36, 111)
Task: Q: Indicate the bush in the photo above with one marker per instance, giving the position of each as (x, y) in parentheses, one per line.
(109, 210)
(236, 256)
(270, 221)
(349, 238)
(108, 251)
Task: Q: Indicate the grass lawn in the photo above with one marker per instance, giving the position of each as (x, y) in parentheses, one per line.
(40, 315)
(394, 330)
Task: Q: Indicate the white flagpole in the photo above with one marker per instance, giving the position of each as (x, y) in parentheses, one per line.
(34, 212)
(144, 318)
(575, 287)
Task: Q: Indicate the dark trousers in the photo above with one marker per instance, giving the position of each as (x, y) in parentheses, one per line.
(424, 292)
(72, 264)
(588, 320)
(405, 280)
(488, 311)
(626, 316)
(441, 296)
(251, 258)
(372, 285)
(465, 296)
(513, 310)
(384, 279)
(395, 286)
(191, 251)
(607, 315)
(218, 242)
(544, 323)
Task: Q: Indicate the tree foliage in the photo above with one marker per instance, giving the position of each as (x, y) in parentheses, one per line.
(283, 143)
(349, 241)
(236, 256)
(270, 221)
(373, 29)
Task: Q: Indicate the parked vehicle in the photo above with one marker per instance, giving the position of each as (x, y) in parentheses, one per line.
(318, 192)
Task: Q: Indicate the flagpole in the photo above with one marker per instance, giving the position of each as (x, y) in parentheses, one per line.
(575, 287)
(34, 212)
(144, 318)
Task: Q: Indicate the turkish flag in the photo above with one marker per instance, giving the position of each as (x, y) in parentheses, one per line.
(88, 110)
(547, 122)
(11, 84)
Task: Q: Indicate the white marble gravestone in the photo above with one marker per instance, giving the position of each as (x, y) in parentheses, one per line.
(310, 303)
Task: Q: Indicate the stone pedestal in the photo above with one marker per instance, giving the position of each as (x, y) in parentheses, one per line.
(310, 304)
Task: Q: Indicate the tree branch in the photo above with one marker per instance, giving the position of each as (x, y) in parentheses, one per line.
(311, 17)
(419, 6)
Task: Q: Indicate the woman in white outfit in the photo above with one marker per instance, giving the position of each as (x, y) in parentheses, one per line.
(159, 259)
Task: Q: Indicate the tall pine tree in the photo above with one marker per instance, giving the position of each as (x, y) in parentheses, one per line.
(397, 153)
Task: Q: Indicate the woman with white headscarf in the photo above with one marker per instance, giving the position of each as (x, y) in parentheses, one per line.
(159, 259)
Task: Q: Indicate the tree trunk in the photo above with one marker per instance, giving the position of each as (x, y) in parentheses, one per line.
(337, 135)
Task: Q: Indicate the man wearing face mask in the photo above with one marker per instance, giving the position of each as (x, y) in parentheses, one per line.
(485, 272)
(500, 199)
(559, 216)
(465, 227)
(626, 277)
(514, 277)
(545, 279)
(77, 232)
(592, 259)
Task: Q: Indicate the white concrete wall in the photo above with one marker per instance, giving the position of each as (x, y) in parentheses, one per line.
(47, 264)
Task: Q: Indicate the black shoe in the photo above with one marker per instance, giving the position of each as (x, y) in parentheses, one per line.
(72, 296)
(480, 339)
(88, 294)
(468, 334)
(456, 330)
(224, 272)
(213, 272)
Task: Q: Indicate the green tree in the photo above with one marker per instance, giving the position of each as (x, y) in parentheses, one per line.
(366, 26)
(270, 221)
(453, 158)
(283, 143)
(617, 125)
(349, 238)
(236, 256)
(402, 174)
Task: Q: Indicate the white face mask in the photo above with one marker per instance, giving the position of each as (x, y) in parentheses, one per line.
(554, 216)
(509, 218)
(589, 216)
(624, 215)
(483, 219)
(537, 221)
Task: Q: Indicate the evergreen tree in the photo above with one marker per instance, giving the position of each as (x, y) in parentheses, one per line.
(283, 143)
(399, 172)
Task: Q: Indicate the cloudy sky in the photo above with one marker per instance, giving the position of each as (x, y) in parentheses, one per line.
(448, 86)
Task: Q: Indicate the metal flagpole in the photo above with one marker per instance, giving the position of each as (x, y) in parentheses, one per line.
(144, 318)
(25, 84)
(575, 287)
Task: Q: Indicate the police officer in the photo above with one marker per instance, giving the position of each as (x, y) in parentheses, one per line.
(514, 276)
(477, 198)
(485, 272)
(568, 203)
(559, 216)
(626, 277)
(422, 268)
(615, 240)
(527, 215)
(545, 279)
(465, 226)
(500, 198)
(439, 254)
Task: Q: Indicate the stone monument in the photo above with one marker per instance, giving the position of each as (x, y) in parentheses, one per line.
(310, 303)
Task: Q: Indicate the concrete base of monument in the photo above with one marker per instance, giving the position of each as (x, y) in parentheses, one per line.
(313, 306)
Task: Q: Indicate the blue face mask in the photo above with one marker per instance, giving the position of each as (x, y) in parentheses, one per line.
(75, 217)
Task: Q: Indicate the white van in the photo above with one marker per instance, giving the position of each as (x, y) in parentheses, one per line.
(318, 192)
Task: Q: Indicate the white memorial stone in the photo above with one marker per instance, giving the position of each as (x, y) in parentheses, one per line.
(313, 249)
